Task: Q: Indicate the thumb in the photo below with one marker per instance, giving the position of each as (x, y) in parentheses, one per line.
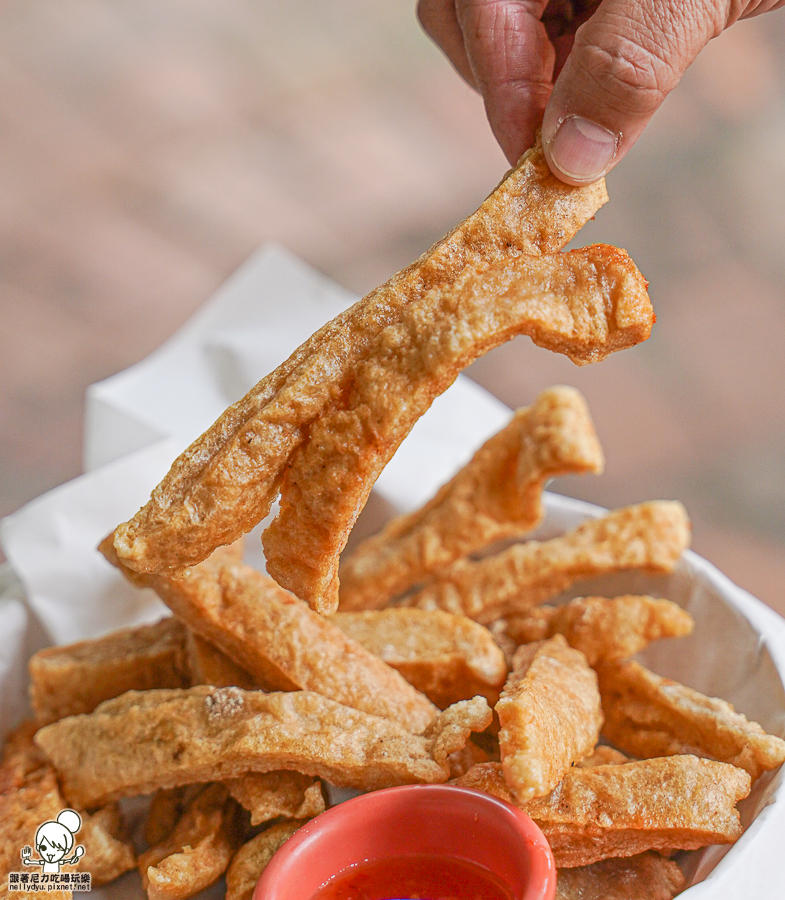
(625, 61)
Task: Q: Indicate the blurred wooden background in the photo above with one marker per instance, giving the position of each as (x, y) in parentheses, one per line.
(147, 148)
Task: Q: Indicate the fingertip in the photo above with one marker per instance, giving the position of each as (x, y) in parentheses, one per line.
(515, 143)
(515, 113)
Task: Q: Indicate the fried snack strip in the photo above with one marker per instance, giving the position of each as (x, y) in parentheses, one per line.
(224, 483)
(649, 536)
(674, 803)
(208, 665)
(497, 494)
(550, 716)
(197, 851)
(647, 876)
(34, 801)
(72, 679)
(604, 630)
(166, 807)
(252, 858)
(647, 715)
(107, 854)
(272, 795)
(30, 795)
(139, 742)
(470, 755)
(280, 642)
(447, 657)
(603, 756)
(586, 303)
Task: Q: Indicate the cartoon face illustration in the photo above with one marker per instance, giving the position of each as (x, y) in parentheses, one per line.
(53, 841)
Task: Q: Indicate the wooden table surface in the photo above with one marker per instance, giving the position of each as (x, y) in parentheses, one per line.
(147, 148)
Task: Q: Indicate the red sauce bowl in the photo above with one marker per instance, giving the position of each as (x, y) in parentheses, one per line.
(436, 820)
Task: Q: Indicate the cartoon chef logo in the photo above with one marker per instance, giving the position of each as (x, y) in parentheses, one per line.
(54, 841)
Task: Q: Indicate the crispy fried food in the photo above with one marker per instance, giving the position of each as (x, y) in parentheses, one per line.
(197, 851)
(550, 716)
(674, 803)
(72, 679)
(647, 715)
(447, 657)
(604, 629)
(647, 876)
(281, 643)
(166, 807)
(450, 730)
(470, 755)
(208, 665)
(252, 858)
(225, 482)
(139, 742)
(649, 536)
(496, 495)
(22, 810)
(271, 795)
(586, 303)
(107, 852)
(30, 795)
(603, 756)
(679, 802)
(20, 757)
(487, 777)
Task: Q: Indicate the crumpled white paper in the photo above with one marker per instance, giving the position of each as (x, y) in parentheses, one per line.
(61, 589)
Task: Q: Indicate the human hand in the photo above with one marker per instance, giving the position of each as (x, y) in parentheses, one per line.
(613, 64)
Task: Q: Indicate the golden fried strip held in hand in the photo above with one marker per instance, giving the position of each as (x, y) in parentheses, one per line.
(72, 679)
(282, 644)
(674, 803)
(603, 629)
(647, 876)
(224, 483)
(497, 494)
(283, 794)
(648, 715)
(550, 716)
(586, 303)
(139, 742)
(252, 859)
(197, 851)
(649, 536)
(447, 657)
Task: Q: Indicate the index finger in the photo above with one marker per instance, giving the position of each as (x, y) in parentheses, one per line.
(512, 60)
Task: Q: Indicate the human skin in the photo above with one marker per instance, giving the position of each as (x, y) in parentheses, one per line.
(591, 73)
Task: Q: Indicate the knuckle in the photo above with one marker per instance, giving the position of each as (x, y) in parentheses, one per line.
(636, 77)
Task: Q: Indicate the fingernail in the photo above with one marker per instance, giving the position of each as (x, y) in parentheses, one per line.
(582, 149)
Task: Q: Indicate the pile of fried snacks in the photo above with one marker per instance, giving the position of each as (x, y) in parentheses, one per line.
(233, 713)
(435, 657)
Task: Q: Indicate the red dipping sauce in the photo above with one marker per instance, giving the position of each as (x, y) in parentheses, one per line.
(422, 877)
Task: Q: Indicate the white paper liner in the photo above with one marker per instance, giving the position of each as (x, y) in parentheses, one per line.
(140, 419)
